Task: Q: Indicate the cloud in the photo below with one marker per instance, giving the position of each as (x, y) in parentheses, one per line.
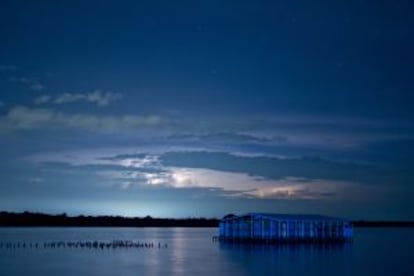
(29, 82)
(7, 68)
(24, 118)
(23, 80)
(141, 173)
(145, 172)
(43, 99)
(142, 170)
(96, 97)
(35, 179)
(228, 184)
(300, 170)
(262, 177)
(226, 137)
(278, 168)
(284, 134)
(37, 86)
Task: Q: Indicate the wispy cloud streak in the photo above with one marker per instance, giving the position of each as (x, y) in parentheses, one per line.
(29, 82)
(96, 97)
(24, 118)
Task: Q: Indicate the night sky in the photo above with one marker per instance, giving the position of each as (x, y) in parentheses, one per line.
(202, 108)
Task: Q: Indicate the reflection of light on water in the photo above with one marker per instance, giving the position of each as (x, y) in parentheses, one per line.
(178, 253)
(155, 258)
(310, 247)
(297, 259)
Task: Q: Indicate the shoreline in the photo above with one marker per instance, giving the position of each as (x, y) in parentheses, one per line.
(27, 219)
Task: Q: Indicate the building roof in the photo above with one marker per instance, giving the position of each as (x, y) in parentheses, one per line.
(287, 216)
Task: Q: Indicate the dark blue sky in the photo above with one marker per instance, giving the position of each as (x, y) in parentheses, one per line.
(200, 108)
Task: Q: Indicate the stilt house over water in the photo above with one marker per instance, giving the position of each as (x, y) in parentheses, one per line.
(262, 227)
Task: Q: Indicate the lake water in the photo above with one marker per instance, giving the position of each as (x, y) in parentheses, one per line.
(192, 252)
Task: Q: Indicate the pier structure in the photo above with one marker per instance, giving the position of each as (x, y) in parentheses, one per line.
(280, 228)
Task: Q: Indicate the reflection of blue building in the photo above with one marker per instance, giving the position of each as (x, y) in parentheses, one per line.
(279, 228)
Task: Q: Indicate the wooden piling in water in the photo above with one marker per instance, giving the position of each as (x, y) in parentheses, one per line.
(114, 244)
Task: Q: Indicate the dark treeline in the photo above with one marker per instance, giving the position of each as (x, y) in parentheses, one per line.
(39, 219)
(363, 223)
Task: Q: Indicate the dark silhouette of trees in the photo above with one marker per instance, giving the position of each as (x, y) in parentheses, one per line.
(39, 219)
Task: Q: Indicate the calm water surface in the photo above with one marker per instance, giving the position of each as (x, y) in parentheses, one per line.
(191, 252)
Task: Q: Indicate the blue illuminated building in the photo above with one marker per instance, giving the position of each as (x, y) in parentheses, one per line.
(263, 227)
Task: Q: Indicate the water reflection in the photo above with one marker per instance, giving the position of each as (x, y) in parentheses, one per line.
(292, 259)
(191, 252)
(179, 247)
(266, 248)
